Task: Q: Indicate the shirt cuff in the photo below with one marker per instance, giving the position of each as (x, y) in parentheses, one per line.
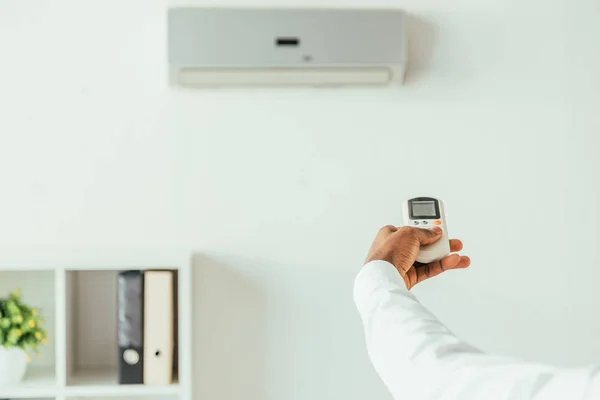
(376, 275)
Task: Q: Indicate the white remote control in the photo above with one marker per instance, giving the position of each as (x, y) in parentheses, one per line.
(427, 213)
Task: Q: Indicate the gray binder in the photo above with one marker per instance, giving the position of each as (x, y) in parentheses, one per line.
(130, 326)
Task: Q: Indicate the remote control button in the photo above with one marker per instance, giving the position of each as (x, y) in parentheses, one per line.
(425, 222)
(416, 222)
(437, 222)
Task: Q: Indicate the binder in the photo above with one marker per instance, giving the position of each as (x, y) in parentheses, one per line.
(130, 325)
(158, 327)
(175, 325)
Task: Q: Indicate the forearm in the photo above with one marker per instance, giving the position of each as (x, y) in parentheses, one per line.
(418, 358)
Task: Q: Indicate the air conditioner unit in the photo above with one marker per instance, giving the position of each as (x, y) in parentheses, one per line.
(289, 47)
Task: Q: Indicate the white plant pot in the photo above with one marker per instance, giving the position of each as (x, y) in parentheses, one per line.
(13, 365)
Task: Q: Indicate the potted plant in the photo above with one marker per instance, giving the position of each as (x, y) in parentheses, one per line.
(21, 332)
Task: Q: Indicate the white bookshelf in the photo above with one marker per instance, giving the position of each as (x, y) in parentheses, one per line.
(75, 290)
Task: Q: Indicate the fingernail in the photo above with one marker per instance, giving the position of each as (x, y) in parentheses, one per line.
(437, 230)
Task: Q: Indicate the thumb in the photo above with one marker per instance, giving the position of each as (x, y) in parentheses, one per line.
(428, 236)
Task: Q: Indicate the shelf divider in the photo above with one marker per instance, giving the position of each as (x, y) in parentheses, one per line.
(61, 326)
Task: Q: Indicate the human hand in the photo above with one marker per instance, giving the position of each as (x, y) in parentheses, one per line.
(400, 247)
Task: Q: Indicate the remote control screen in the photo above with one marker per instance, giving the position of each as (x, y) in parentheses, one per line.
(422, 209)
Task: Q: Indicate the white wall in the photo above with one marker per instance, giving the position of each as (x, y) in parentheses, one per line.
(281, 192)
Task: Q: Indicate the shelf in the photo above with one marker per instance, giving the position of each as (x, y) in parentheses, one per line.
(103, 382)
(39, 382)
(75, 290)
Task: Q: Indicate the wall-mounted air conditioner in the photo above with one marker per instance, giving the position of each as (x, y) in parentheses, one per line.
(274, 47)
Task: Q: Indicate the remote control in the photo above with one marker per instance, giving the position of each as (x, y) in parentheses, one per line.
(427, 213)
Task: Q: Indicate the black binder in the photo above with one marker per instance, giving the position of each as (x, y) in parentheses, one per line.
(130, 326)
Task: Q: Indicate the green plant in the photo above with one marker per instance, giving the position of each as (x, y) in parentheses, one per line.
(20, 325)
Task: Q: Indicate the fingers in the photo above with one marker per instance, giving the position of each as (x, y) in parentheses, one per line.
(427, 236)
(427, 271)
(388, 229)
(385, 232)
(455, 245)
(453, 261)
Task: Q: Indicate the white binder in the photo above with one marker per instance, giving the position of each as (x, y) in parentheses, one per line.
(158, 327)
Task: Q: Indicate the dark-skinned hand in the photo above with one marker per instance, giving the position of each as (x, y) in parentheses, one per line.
(400, 247)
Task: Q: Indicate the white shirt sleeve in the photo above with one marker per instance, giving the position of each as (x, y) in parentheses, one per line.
(418, 358)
